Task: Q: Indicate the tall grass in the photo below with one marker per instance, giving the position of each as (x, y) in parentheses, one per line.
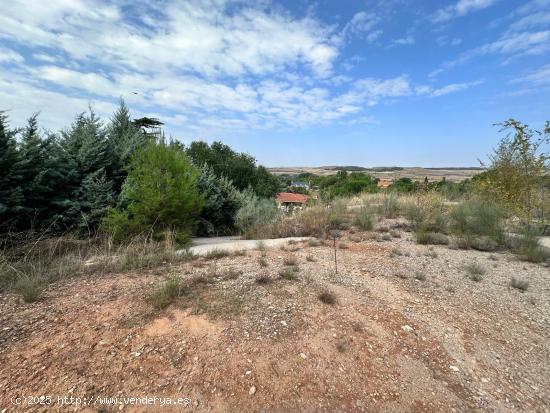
(29, 265)
(478, 223)
(526, 244)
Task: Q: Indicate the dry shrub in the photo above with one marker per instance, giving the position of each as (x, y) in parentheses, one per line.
(327, 297)
(28, 267)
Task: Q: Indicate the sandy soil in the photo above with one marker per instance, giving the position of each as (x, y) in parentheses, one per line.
(202, 246)
(391, 343)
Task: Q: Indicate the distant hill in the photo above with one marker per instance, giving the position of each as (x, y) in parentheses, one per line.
(454, 174)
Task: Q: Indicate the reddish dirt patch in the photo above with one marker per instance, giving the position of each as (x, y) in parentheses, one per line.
(388, 344)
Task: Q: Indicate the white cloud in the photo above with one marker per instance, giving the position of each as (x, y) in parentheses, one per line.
(193, 36)
(459, 9)
(453, 87)
(537, 77)
(362, 25)
(10, 56)
(446, 40)
(407, 40)
(201, 66)
(515, 45)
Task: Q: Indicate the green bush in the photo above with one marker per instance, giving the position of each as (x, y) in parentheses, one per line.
(160, 194)
(434, 238)
(363, 219)
(30, 288)
(526, 245)
(389, 208)
(164, 294)
(478, 218)
(255, 212)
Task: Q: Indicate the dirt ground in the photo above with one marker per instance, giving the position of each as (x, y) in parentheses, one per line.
(409, 331)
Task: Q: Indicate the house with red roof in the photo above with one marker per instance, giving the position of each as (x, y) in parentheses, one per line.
(288, 201)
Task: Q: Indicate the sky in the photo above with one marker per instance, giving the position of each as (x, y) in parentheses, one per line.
(293, 83)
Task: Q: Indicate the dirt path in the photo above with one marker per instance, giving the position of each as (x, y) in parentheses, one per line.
(202, 246)
(409, 331)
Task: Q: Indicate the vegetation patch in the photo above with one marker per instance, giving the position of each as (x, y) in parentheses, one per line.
(519, 284)
(288, 273)
(165, 293)
(328, 297)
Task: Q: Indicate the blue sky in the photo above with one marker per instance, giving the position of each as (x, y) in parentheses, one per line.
(370, 83)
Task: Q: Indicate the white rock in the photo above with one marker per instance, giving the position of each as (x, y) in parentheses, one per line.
(454, 368)
(407, 328)
(252, 390)
(302, 355)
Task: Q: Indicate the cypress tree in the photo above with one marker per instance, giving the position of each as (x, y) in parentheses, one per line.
(11, 196)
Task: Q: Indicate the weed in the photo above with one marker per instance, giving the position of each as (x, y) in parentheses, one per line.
(395, 234)
(231, 274)
(363, 219)
(354, 238)
(342, 345)
(478, 218)
(290, 260)
(475, 269)
(239, 253)
(314, 242)
(30, 288)
(288, 273)
(396, 252)
(260, 245)
(343, 246)
(163, 295)
(526, 245)
(519, 284)
(389, 207)
(216, 254)
(263, 262)
(327, 297)
(433, 238)
(420, 276)
(431, 253)
(310, 258)
(263, 279)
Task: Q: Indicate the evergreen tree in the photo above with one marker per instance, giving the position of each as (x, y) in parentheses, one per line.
(87, 149)
(161, 194)
(123, 138)
(96, 197)
(11, 196)
(221, 202)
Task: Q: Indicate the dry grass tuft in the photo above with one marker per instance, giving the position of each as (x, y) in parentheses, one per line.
(327, 297)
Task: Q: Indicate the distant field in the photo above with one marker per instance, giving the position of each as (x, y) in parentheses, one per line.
(433, 174)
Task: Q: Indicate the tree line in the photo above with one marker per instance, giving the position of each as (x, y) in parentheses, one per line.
(116, 177)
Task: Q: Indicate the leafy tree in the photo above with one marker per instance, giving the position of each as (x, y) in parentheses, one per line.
(265, 184)
(517, 168)
(161, 193)
(403, 185)
(240, 168)
(345, 184)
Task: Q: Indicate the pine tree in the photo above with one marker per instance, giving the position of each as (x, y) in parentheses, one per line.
(96, 197)
(87, 149)
(11, 197)
(123, 138)
(221, 203)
